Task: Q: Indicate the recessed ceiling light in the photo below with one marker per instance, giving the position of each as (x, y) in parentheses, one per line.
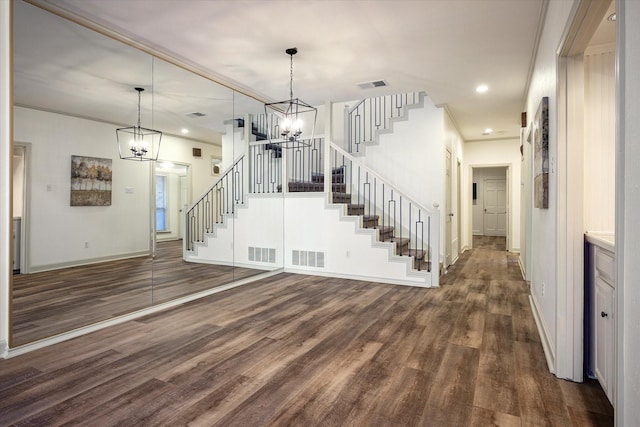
(184, 131)
(482, 89)
(487, 131)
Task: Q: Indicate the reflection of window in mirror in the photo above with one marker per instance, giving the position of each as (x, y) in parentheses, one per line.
(161, 203)
(216, 166)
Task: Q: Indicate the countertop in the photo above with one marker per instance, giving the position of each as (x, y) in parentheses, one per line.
(604, 240)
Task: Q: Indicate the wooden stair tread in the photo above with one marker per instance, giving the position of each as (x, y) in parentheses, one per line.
(399, 241)
(418, 254)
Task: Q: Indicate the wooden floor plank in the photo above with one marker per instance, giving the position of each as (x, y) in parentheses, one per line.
(451, 399)
(481, 417)
(496, 385)
(312, 351)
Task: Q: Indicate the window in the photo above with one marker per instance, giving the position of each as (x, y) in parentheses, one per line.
(161, 203)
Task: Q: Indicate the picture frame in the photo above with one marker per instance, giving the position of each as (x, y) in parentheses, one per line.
(91, 179)
(541, 155)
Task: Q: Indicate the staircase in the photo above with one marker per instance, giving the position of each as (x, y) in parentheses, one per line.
(371, 117)
(389, 227)
(394, 238)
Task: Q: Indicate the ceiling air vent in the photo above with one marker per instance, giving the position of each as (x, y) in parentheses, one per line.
(195, 115)
(371, 85)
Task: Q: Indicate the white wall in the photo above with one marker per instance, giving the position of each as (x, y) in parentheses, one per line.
(543, 82)
(59, 234)
(599, 138)
(627, 410)
(411, 158)
(455, 143)
(257, 224)
(501, 152)
(349, 251)
(179, 150)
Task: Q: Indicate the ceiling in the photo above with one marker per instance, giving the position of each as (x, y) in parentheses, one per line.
(444, 47)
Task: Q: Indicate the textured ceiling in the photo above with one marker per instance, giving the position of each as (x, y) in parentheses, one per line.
(444, 47)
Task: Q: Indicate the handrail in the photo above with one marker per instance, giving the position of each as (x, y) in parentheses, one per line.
(362, 165)
(413, 228)
(220, 199)
(374, 114)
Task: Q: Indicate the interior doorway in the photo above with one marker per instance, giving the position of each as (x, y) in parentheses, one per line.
(172, 195)
(490, 202)
(19, 242)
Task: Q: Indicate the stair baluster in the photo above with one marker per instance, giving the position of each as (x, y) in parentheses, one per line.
(403, 221)
(374, 114)
(220, 199)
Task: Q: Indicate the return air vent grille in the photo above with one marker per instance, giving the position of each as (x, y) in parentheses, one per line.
(373, 84)
(307, 258)
(266, 255)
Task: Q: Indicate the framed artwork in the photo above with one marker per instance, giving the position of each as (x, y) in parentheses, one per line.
(216, 166)
(541, 155)
(90, 181)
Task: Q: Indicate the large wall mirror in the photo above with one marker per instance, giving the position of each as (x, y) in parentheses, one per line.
(136, 233)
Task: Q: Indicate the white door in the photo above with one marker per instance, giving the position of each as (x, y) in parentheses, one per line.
(495, 207)
(448, 211)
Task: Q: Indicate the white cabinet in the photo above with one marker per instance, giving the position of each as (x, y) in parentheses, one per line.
(601, 288)
(603, 316)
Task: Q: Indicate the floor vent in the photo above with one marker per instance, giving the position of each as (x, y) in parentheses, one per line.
(307, 259)
(267, 255)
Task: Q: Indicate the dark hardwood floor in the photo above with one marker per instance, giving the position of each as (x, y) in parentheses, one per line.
(499, 243)
(52, 302)
(296, 350)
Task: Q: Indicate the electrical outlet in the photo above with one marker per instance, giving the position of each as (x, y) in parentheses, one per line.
(542, 288)
(348, 254)
(86, 245)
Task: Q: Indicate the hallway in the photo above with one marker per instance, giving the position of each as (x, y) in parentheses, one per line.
(306, 350)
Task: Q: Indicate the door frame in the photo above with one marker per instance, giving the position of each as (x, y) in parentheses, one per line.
(155, 172)
(508, 177)
(25, 264)
(448, 209)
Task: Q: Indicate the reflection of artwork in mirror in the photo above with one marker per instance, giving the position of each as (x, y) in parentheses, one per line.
(90, 181)
(216, 165)
(541, 155)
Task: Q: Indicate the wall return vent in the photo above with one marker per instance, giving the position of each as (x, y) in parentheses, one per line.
(373, 84)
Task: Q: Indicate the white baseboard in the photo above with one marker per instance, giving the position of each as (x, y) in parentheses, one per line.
(4, 349)
(549, 354)
(358, 277)
(88, 261)
(524, 274)
(17, 351)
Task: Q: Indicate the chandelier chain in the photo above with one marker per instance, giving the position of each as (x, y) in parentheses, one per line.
(291, 79)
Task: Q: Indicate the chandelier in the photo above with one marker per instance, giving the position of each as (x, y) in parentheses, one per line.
(286, 119)
(137, 142)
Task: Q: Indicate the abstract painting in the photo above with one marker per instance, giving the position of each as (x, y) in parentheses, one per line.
(541, 155)
(90, 181)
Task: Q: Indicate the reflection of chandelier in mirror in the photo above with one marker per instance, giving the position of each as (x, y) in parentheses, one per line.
(136, 142)
(287, 129)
